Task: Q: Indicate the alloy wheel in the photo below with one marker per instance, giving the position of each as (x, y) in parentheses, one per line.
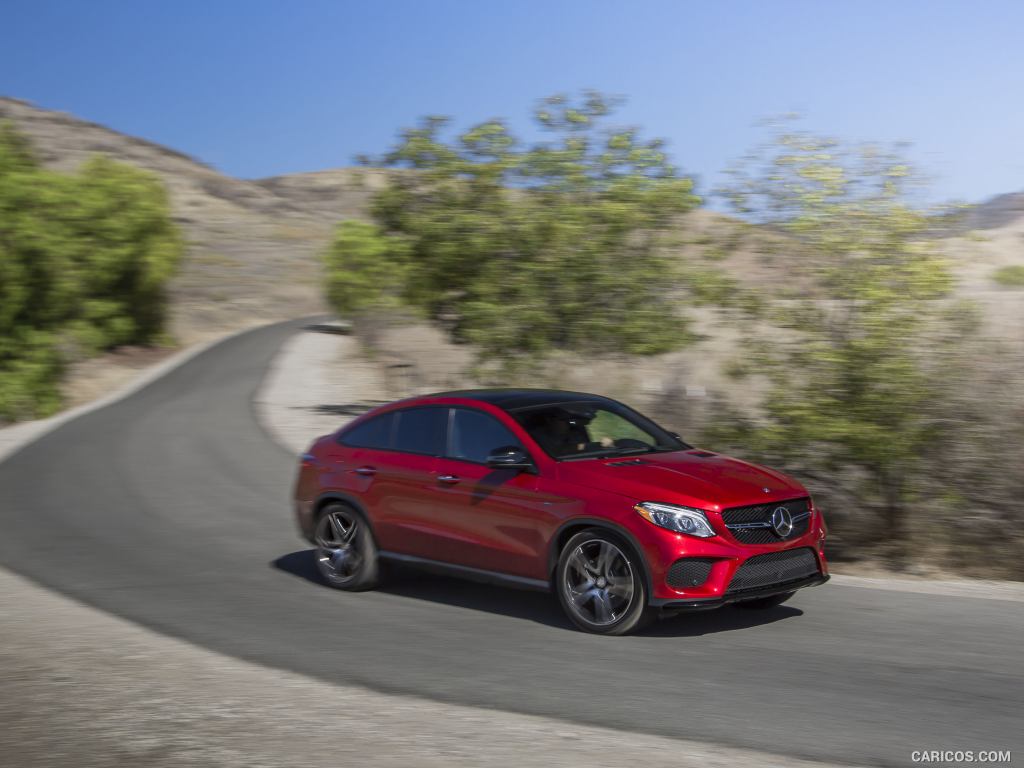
(599, 582)
(337, 546)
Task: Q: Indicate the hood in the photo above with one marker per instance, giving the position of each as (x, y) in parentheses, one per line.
(692, 478)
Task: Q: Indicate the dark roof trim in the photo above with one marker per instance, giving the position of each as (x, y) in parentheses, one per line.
(514, 399)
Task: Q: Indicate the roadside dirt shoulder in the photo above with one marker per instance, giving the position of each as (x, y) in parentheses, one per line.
(80, 687)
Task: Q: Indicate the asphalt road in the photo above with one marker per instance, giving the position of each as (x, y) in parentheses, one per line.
(171, 508)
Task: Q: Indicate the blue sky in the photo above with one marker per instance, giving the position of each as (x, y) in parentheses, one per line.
(261, 88)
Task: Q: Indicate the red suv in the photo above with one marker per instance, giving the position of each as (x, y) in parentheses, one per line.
(556, 490)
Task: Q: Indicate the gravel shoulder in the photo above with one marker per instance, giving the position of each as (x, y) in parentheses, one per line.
(80, 687)
(318, 381)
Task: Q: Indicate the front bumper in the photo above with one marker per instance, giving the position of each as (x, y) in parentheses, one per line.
(724, 557)
(710, 603)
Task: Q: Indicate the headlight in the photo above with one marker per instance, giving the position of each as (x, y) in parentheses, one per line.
(692, 522)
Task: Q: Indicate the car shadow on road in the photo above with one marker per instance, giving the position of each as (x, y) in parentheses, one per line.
(539, 607)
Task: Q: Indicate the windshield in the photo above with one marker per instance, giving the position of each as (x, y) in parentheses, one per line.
(593, 429)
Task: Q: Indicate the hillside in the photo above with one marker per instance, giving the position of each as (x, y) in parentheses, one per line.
(253, 245)
(253, 248)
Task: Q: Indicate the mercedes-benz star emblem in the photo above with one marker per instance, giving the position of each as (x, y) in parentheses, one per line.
(782, 522)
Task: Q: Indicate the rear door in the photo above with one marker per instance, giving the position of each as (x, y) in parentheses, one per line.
(496, 519)
(396, 482)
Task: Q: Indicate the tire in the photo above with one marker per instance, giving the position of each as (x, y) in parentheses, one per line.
(761, 603)
(346, 553)
(599, 581)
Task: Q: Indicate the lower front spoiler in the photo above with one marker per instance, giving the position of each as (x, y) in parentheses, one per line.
(672, 604)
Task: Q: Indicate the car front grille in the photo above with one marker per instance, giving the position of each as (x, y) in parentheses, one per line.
(753, 525)
(689, 572)
(774, 568)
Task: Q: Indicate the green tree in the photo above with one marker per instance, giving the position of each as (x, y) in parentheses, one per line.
(850, 383)
(364, 269)
(84, 260)
(125, 247)
(525, 249)
(33, 292)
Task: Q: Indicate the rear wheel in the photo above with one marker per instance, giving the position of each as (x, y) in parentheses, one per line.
(760, 603)
(600, 584)
(346, 554)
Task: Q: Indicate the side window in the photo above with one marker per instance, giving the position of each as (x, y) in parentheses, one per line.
(476, 434)
(374, 433)
(421, 430)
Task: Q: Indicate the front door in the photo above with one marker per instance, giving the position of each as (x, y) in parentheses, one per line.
(496, 519)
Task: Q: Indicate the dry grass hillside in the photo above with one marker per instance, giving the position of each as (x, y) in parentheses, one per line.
(253, 245)
(681, 384)
(253, 257)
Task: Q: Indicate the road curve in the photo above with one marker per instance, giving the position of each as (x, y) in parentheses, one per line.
(170, 508)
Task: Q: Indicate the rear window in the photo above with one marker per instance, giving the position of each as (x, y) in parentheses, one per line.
(373, 433)
(421, 430)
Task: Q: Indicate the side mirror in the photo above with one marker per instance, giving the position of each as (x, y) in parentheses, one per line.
(509, 457)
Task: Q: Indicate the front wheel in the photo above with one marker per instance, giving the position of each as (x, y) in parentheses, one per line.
(600, 583)
(346, 554)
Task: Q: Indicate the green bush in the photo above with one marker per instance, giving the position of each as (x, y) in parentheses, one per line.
(364, 269)
(1011, 276)
(84, 259)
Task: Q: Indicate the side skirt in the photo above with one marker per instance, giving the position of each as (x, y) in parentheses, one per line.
(465, 572)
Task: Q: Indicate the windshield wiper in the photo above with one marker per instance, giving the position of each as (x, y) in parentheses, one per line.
(612, 453)
(648, 449)
(629, 451)
(604, 454)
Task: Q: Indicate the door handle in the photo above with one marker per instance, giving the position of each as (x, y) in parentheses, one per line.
(449, 479)
(366, 471)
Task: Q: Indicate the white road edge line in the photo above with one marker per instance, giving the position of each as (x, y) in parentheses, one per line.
(16, 436)
(983, 589)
